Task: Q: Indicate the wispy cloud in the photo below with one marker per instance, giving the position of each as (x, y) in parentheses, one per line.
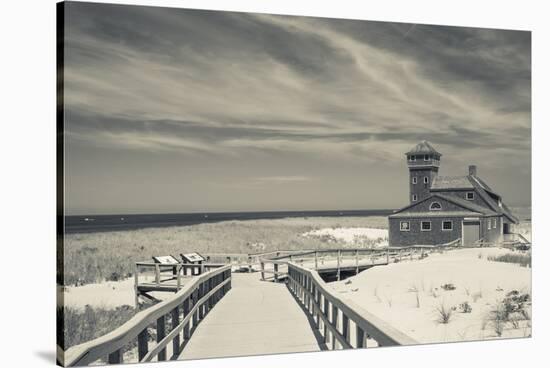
(190, 83)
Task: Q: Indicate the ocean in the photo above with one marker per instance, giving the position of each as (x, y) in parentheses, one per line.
(101, 223)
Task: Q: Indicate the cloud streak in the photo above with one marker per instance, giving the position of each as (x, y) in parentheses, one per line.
(188, 83)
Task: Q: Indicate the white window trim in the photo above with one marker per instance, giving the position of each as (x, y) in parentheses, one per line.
(436, 209)
(473, 196)
(422, 228)
(414, 198)
(426, 158)
(401, 229)
(415, 180)
(443, 228)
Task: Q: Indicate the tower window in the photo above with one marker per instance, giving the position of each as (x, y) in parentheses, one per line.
(415, 179)
(435, 206)
(426, 226)
(426, 157)
(414, 197)
(412, 158)
(426, 180)
(470, 196)
(447, 226)
(405, 226)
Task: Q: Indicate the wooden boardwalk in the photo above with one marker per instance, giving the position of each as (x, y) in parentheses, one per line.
(254, 318)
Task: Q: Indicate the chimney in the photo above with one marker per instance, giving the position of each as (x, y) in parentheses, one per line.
(472, 170)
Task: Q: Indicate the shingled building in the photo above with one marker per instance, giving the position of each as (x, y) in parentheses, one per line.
(447, 208)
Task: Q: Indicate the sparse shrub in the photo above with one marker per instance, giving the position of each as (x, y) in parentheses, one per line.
(444, 313)
(465, 307)
(477, 296)
(448, 287)
(523, 260)
(115, 276)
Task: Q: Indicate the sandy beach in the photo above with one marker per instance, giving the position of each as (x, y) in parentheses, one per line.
(408, 294)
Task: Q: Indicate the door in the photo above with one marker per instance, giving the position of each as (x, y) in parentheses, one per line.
(470, 232)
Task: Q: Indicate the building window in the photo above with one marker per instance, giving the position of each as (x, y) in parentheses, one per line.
(414, 197)
(447, 226)
(412, 158)
(495, 223)
(425, 180)
(426, 158)
(405, 226)
(470, 196)
(426, 226)
(435, 206)
(415, 179)
(489, 223)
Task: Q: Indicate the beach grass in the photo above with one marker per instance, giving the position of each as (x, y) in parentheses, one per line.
(96, 257)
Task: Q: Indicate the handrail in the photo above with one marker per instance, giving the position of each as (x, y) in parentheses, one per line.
(319, 300)
(195, 299)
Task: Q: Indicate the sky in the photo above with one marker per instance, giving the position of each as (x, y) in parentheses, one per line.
(175, 110)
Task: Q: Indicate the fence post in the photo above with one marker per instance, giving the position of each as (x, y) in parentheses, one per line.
(334, 321)
(185, 313)
(345, 327)
(249, 264)
(157, 274)
(161, 333)
(178, 277)
(136, 289)
(338, 265)
(115, 357)
(143, 347)
(175, 323)
(275, 272)
(325, 312)
(388, 255)
(316, 262)
(360, 337)
(356, 261)
(262, 265)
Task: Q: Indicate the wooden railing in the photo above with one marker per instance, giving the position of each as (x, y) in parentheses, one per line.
(184, 311)
(335, 318)
(277, 266)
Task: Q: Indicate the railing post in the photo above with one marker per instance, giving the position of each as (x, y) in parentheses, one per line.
(178, 277)
(334, 321)
(157, 274)
(338, 265)
(201, 294)
(388, 255)
(360, 337)
(161, 333)
(175, 323)
(325, 312)
(345, 327)
(275, 272)
(115, 357)
(316, 295)
(185, 313)
(249, 264)
(356, 261)
(316, 261)
(136, 289)
(143, 347)
(262, 265)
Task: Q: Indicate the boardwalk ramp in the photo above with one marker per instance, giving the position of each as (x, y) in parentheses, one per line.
(254, 318)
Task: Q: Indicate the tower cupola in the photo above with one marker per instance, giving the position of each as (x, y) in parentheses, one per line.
(423, 163)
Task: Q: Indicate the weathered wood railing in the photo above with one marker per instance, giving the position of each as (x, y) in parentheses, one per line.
(355, 258)
(184, 311)
(335, 317)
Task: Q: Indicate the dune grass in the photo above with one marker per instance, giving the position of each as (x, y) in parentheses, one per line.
(523, 259)
(96, 257)
(76, 326)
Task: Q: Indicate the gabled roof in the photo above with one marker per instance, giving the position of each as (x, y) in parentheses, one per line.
(474, 209)
(407, 214)
(487, 194)
(440, 184)
(451, 182)
(423, 148)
